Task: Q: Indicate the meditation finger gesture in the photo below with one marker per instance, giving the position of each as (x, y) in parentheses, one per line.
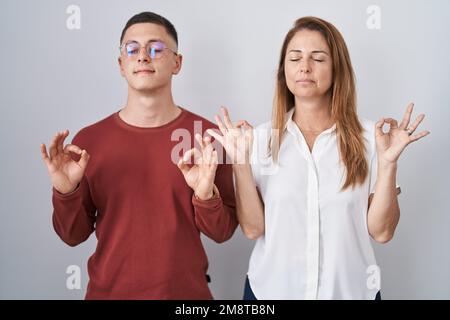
(392, 143)
(200, 176)
(236, 139)
(65, 173)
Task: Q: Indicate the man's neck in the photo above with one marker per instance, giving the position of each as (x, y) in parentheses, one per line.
(150, 109)
(313, 115)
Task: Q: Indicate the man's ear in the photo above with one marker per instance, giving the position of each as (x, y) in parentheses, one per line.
(122, 72)
(178, 64)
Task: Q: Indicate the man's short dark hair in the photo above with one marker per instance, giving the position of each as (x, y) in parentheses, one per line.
(151, 17)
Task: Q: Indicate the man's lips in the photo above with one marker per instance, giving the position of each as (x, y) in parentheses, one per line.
(144, 71)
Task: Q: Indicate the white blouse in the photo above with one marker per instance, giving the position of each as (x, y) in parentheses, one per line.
(316, 243)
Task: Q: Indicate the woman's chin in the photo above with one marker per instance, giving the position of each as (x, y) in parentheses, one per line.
(307, 94)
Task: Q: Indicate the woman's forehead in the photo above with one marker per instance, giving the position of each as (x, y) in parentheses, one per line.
(308, 40)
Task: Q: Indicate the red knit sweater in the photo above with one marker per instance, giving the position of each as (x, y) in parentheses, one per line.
(145, 217)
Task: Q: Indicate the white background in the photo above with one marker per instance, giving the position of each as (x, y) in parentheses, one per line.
(53, 78)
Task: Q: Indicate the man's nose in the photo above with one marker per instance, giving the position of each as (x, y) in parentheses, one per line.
(143, 55)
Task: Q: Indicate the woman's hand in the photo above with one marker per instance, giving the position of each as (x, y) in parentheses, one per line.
(392, 143)
(236, 139)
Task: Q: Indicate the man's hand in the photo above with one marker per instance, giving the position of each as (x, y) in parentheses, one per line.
(65, 173)
(200, 176)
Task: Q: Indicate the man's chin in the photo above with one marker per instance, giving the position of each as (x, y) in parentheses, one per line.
(146, 88)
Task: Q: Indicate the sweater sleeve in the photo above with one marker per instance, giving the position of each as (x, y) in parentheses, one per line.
(74, 213)
(216, 218)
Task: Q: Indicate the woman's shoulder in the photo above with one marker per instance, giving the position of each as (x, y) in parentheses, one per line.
(262, 131)
(367, 124)
(265, 126)
(368, 128)
(368, 133)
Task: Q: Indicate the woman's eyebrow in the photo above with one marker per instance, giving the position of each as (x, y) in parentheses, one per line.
(315, 51)
(320, 51)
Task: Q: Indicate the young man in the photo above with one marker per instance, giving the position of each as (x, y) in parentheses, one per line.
(120, 178)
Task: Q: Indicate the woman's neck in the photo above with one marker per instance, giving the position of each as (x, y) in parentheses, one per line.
(313, 115)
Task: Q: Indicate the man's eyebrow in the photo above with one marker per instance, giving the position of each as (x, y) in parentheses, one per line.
(149, 41)
(155, 40)
(315, 51)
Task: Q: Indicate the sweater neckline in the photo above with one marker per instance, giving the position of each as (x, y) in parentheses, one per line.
(119, 121)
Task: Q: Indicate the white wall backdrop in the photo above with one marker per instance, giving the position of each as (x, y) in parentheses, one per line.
(53, 77)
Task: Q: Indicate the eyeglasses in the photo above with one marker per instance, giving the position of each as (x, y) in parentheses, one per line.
(155, 49)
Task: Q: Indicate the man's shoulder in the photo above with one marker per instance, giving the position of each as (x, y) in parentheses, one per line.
(94, 130)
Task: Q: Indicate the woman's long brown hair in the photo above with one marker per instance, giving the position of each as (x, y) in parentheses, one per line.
(343, 101)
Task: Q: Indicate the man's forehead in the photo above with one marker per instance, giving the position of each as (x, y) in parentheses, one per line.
(145, 32)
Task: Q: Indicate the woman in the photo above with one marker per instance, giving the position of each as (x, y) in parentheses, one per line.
(309, 196)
